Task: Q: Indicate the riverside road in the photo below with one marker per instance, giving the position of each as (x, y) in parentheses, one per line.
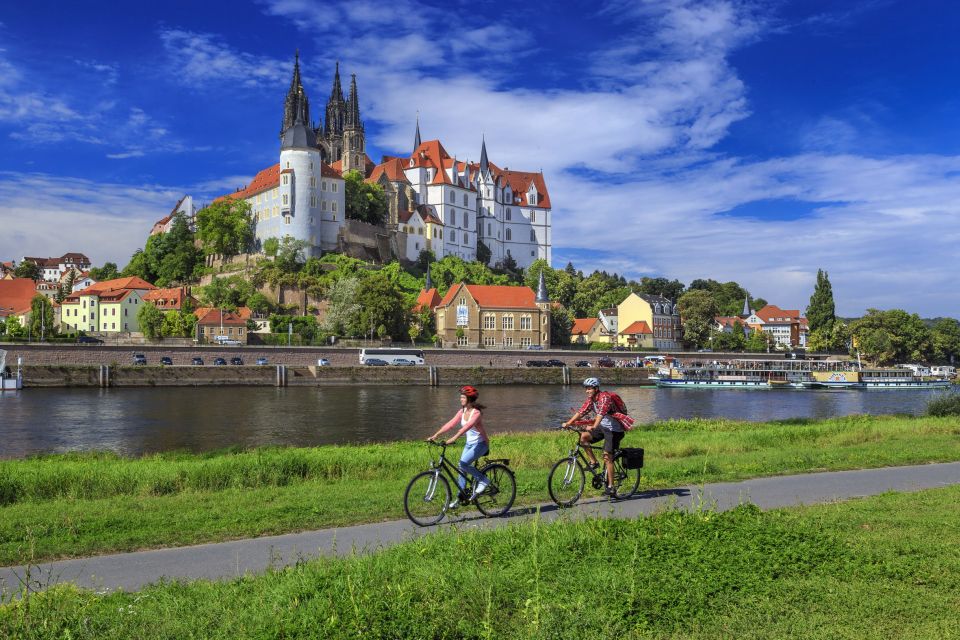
(132, 571)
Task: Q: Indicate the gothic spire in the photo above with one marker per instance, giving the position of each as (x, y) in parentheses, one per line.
(542, 295)
(336, 93)
(746, 307)
(484, 165)
(296, 103)
(416, 138)
(352, 120)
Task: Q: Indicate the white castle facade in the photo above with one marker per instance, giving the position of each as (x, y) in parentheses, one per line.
(436, 202)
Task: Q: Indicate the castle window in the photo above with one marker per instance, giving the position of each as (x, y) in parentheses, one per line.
(333, 187)
(509, 235)
(311, 164)
(333, 206)
(453, 196)
(533, 236)
(506, 322)
(453, 216)
(288, 165)
(506, 213)
(286, 199)
(286, 219)
(286, 178)
(464, 199)
(323, 185)
(489, 321)
(462, 341)
(453, 236)
(313, 180)
(313, 201)
(490, 341)
(533, 216)
(323, 205)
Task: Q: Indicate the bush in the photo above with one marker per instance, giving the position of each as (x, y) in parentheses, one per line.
(945, 405)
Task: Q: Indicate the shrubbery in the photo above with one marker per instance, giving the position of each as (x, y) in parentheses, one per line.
(945, 405)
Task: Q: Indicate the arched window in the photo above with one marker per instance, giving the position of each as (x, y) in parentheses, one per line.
(509, 235)
(533, 236)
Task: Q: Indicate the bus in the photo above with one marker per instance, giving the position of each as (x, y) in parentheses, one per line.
(390, 356)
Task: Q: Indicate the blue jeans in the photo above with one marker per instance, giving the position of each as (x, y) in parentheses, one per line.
(471, 453)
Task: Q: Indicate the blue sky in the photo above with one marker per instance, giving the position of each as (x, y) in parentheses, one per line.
(748, 141)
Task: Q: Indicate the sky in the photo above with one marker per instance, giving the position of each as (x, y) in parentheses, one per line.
(725, 139)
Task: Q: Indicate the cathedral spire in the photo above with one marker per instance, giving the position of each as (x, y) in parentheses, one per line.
(336, 93)
(542, 295)
(352, 120)
(295, 104)
(746, 307)
(416, 138)
(484, 165)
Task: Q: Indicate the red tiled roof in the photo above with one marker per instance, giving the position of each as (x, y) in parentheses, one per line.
(392, 168)
(264, 180)
(428, 216)
(167, 299)
(520, 181)
(131, 282)
(638, 327)
(772, 311)
(583, 326)
(16, 294)
(428, 299)
(114, 295)
(431, 154)
(209, 316)
(728, 321)
(328, 171)
(495, 296)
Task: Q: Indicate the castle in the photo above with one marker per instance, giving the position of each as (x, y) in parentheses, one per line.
(435, 201)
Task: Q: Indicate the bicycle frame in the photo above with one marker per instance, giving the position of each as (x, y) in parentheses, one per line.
(442, 465)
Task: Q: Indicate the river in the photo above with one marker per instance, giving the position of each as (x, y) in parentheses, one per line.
(147, 420)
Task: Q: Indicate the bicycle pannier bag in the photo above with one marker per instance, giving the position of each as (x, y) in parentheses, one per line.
(632, 458)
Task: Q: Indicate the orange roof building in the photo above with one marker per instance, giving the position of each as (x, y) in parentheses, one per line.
(111, 306)
(493, 316)
(15, 296)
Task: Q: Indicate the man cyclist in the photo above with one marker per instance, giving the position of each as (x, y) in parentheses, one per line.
(605, 427)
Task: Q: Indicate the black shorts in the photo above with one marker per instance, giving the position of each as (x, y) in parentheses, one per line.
(611, 439)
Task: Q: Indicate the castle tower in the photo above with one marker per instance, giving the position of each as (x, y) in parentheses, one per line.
(354, 144)
(296, 99)
(299, 173)
(332, 138)
(543, 303)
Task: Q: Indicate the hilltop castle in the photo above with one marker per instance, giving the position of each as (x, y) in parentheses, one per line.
(436, 202)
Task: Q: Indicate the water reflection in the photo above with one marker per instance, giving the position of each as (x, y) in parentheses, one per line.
(136, 421)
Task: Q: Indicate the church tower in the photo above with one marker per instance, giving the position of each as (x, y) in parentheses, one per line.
(543, 303)
(299, 173)
(354, 145)
(296, 100)
(332, 137)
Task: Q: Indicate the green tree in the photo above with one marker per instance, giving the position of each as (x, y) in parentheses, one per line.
(840, 337)
(14, 329)
(341, 318)
(561, 325)
(757, 342)
(108, 271)
(821, 311)
(290, 254)
(260, 304)
(27, 269)
(483, 253)
(734, 340)
(41, 317)
(271, 246)
(231, 292)
(363, 200)
(414, 333)
(669, 289)
(892, 336)
(177, 324)
(381, 304)
(729, 296)
(698, 308)
(945, 338)
(151, 321)
(225, 227)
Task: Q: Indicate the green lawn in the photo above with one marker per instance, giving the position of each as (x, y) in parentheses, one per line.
(882, 567)
(83, 504)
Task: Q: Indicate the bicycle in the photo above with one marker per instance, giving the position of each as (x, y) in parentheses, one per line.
(568, 476)
(428, 494)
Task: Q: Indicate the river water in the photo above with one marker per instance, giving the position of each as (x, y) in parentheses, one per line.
(147, 420)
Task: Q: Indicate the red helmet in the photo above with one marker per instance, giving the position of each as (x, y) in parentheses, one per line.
(470, 392)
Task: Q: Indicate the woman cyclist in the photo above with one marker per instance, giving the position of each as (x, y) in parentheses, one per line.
(605, 427)
(470, 420)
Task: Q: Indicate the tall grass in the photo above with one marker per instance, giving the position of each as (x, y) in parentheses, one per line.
(877, 568)
(944, 405)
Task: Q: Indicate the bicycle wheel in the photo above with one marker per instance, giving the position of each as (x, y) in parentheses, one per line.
(566, 482)
(499, 496)
(626, 480)
(426, 498)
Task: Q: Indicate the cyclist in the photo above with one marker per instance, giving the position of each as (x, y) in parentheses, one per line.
(606, 427)
(470, 420)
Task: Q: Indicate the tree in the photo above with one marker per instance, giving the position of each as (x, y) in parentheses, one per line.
(669, 289)
(27, 269)
(151, 321)
(380, 304)
(363, 200)
(41, 316)
(108, 271)
(757, 342)
(344, 307)
(271, 246)
(289, 254)
(561, 325)
(225, 227)
(259, 304)
(230, 292)
(177, 324)
(426, 257)
(414, 333)
(821, 312)
(483, 253)
(729, 296)
(892, 336)
(67, 288)
(698, 308)
(14, 329)
(945, 338)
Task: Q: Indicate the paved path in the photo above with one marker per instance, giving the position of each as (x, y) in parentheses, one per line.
(130, 571)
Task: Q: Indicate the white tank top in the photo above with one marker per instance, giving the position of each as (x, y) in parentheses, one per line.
(473, 436)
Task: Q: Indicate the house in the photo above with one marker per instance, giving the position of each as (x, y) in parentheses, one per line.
(219, 322)
(7, 269)
(494, 316)
(587, 331)
(726, 324)
(16, 295)
(173, 299)
(661, 316)
(110, 306)
(608, 318)
(783, 325)
(51, 269)
(638, 335)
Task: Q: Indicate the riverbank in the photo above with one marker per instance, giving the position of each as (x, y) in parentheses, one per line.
(84, 504)
(284, 376)
(878, 567)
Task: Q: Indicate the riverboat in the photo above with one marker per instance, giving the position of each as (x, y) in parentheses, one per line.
(790, 374)
(9, 381)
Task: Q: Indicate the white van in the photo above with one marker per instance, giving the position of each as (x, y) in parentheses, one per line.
(225, 340)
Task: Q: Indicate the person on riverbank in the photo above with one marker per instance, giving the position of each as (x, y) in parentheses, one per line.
(470, 420)
(609, 425)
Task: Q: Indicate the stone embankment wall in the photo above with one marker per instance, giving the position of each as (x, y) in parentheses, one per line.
(189, 376)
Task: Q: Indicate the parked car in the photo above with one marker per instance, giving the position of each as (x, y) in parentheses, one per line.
(605, 362)
(553, 362)
(237, 360)
(536, 363)
(261, 361)
(620, 347)
(225, 340)
(139, 358)
(197, 360)
(581, 363)
(88, 340)
(403, 362)
(323, 362)
(375, 362)
(166, 361)
(534, 347)
(219, 362)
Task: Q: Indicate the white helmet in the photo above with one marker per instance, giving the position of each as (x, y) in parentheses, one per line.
(592, 382)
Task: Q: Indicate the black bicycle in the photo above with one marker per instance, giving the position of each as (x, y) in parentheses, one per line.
(428, 496)
(568, 476)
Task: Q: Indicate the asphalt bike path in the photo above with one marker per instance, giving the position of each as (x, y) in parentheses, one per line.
(131, 571)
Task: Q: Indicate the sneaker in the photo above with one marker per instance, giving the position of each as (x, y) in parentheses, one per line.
(593, 466)
(454, 503)
(610, 491)
(481, 488)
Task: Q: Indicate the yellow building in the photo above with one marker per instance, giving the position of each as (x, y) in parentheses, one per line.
(659, 314)
(493, 316)
(105, 307)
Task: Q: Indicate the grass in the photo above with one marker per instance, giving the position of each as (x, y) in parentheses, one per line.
(83, 504)
(882, 567)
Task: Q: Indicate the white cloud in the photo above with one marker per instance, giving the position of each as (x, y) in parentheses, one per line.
(200, 60)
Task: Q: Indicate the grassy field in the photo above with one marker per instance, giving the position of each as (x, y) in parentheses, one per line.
(74, 505)
(883, 567)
